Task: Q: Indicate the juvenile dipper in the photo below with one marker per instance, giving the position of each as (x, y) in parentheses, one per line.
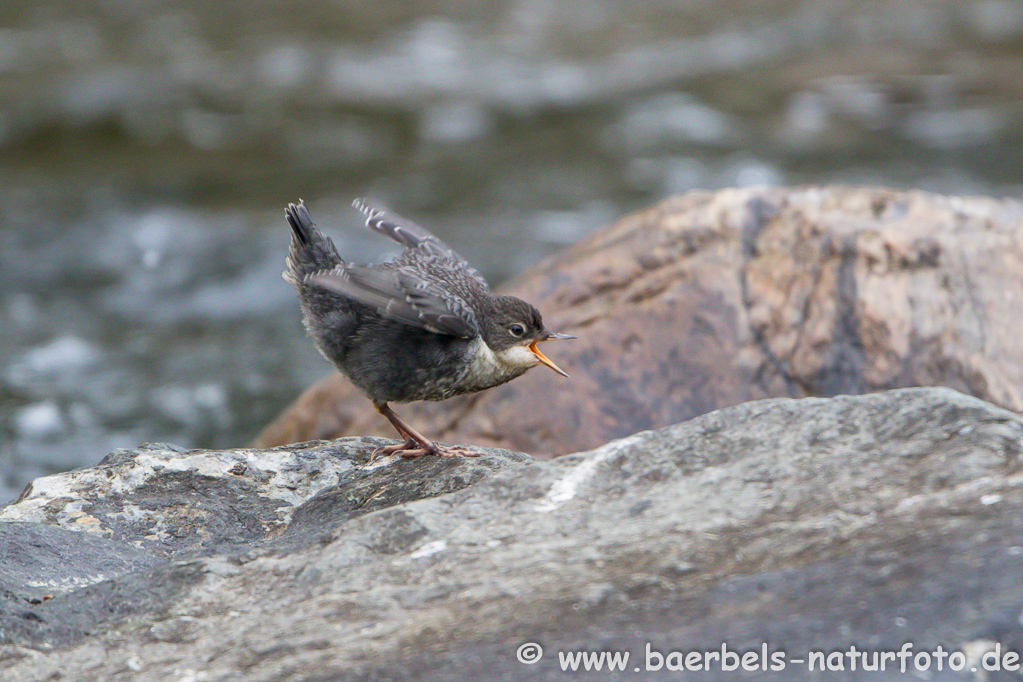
(424, 326)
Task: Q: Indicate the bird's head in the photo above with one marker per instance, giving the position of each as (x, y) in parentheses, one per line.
(513, 329)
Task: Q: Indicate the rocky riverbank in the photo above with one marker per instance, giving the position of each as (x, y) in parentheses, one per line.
(808, 525)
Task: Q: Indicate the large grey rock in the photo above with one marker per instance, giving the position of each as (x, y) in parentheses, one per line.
(808, 525)
(178, 503)
(40, 562)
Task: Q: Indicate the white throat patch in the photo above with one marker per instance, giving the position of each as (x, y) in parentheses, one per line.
(491, 368)
(517, 356)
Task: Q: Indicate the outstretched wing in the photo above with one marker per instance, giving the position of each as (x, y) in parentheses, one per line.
(403, 296)
(413, 236)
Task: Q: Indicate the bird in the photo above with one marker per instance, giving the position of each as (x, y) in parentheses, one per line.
(423, 326)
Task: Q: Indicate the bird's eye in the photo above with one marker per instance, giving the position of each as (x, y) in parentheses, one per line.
(517, 330)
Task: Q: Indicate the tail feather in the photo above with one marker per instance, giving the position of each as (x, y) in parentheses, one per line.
(311, 251)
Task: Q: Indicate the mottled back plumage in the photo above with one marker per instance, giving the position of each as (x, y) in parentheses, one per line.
(428, 286)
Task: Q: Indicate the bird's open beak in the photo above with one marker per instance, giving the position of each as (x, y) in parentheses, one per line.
(543, 358)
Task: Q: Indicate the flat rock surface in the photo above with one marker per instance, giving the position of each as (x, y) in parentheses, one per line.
(800, 525)
(711, 299)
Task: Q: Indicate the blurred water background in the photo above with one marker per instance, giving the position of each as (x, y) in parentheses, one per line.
(147, 149)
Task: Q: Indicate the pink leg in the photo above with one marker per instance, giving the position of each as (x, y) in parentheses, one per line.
(413, 438)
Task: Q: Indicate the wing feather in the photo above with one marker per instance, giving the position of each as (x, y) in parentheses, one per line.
(403, 296)
(413, 236)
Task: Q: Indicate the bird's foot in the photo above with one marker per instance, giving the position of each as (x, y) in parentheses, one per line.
(388, 450)
(411, 449)
(416, 444)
